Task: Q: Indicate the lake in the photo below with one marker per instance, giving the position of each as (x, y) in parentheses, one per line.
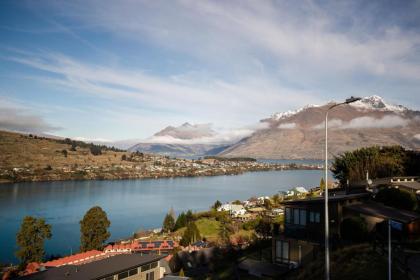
(130, 204)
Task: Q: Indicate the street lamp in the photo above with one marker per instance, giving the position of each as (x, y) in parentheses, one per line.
(327, 227)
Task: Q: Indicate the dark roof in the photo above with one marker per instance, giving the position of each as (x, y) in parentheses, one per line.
(381, 211)
(95, 270)
(331, 198)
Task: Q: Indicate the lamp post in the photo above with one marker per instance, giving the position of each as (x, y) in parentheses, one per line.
(327, 227)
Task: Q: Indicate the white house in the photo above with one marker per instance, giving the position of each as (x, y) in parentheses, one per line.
(233, 209)
(298, 191)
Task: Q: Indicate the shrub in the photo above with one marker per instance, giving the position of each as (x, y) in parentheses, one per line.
(354, 229)
(95, 150)
(396, 198)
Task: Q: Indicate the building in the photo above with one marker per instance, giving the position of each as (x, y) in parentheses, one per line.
(304, 227)
(143, 247)
(124, 266)
(233, 209)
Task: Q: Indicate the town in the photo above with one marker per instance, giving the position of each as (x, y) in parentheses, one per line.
(66, 159)
(280, 235)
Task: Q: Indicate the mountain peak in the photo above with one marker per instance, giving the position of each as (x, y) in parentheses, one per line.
(375, 102)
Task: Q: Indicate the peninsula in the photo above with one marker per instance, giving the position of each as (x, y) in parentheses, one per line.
(27, 158)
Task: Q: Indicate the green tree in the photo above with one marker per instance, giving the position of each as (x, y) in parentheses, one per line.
(189, 216)
(95, 150)
(191, 235)
(322, 185)
(225, 231)
(396, 198)
(94, 229)
(30, 239)
(267, 204)
(168, 223)
(216, 205)
(181, 221)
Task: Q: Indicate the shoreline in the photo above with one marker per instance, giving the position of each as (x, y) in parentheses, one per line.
(59, 177)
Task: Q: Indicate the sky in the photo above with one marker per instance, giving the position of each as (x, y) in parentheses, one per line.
(126, 69)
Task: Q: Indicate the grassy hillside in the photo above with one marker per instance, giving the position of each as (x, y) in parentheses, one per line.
(22, 151)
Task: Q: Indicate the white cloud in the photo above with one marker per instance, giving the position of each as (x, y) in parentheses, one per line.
(287, 125)
(16, 117)
(223, 136)
(417, 136)
(366, 122)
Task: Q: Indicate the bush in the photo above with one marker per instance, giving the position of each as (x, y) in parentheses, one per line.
(354, 229)
(95, 150)
(396, 198)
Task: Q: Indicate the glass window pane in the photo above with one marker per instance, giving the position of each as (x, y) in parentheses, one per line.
(317, 217)
(153, 265)
(145, 267)
(296, 216)
(288, 216)
(278, 249)
(123, 275)
(132, 272)
(311, 217)
(285, 250)
(302, 217)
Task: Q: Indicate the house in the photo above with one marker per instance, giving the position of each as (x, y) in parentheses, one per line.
(234, 209)
(407, 183)
(406, 224)
(297, 191)
(304, 227)
(125, 266)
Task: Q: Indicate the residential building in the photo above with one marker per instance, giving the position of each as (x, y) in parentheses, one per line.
(123, 266)
(233, 209)
(304, 227)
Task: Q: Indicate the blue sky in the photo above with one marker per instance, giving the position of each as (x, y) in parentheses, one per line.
(125, 69)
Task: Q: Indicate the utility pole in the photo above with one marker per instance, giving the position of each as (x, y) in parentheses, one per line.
(389, 250)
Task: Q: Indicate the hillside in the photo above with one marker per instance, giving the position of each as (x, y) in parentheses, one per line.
(300, 135)
(33, 158)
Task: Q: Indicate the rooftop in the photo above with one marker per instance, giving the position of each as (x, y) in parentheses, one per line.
(381, 211)
(331, 198)
(95, 270)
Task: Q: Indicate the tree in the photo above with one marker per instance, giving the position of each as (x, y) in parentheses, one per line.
(189, 217)
(95, 150)
(181, 221)
(267, 204)
(168, 223)
(94, 229)
(216, 205)
(30, 239)
(64, 152)
(124, 157)
(396, 198)
(322, 185)
(191, 235)
(225, 230)
(73, 147)
(237, 202)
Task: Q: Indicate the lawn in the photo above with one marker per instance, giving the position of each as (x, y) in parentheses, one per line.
(209, 228)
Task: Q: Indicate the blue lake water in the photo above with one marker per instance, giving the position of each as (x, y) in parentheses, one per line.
(130, 204)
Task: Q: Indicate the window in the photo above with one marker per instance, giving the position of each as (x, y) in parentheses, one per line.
(132, 272)
(311, 217)
(317, 217)
(296, 216)
(153, 265)
(302, 219)
(145, 267)
(282, 251)
(150, 275)
(288, 215)
(123, 275)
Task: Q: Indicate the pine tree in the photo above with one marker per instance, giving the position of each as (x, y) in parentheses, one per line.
(191, 235)
(94, 229)
(322, 185)
(30, 240)
(181, 221)
(168, 223)
(216, 205)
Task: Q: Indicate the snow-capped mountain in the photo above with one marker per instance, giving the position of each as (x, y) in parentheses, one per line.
(299, 133)
(187, 131)
(376, 102)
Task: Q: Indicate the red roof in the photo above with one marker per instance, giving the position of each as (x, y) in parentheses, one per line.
(77, 258)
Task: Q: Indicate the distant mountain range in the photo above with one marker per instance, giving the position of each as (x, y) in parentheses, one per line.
(300, 134)
(297, 134)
